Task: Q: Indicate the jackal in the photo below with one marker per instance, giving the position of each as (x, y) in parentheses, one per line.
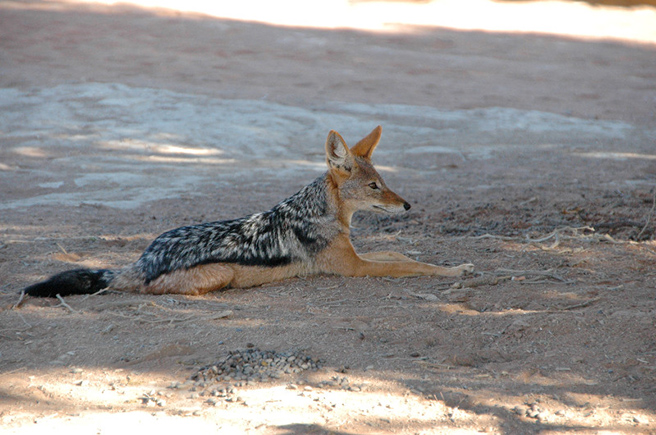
(306, 234)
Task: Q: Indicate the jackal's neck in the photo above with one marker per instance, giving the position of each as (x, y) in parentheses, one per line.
(341, 212)
(312, 202)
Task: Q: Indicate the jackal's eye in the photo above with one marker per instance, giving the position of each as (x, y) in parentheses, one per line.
(373, 185)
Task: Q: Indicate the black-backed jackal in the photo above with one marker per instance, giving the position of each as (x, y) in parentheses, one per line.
(306, 234)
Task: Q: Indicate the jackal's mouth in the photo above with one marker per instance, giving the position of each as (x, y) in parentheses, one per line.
(382, 209)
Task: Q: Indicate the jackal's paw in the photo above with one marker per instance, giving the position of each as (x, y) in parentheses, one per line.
(465, 269)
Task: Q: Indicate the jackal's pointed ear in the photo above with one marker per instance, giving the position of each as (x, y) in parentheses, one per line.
(338, 156)
(365, 148)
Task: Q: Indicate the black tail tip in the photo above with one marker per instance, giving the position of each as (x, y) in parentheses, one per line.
(71, 282)
(41, 290)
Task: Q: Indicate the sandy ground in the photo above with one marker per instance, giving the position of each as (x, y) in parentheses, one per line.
(531, 156)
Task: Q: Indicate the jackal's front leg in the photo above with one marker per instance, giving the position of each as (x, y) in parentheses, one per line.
(341, 259)
(391, 263)
(391, 257)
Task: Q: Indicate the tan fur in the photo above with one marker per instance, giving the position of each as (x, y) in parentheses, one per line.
(195, 281)
(210, 277)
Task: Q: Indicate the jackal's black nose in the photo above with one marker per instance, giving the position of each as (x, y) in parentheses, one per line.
(406, 205)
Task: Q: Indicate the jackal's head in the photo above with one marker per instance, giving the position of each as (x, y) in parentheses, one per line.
(359, 186)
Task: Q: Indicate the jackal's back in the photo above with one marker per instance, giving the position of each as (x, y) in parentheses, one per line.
(294, 230)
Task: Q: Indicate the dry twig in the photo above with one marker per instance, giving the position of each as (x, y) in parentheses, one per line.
(182, 319)
(484, 280)
(575, 306)
(64, 304)
(649, 216)
(20, 301)
(558, 234)
(545, 273)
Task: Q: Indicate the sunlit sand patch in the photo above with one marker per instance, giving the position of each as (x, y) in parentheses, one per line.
(565, 18)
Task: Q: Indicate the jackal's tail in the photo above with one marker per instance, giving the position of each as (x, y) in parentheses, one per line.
(72, 282)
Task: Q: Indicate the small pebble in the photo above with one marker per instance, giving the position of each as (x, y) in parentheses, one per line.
(520, 410)
(532, 413)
